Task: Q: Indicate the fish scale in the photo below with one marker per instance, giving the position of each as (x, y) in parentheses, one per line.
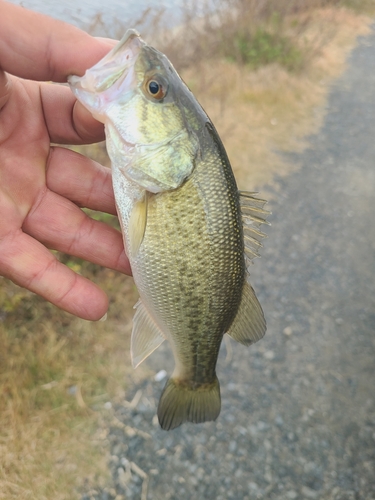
(189, 234)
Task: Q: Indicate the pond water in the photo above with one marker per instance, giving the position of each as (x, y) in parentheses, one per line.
(82, 13)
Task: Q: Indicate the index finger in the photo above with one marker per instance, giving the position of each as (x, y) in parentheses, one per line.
(44, 48)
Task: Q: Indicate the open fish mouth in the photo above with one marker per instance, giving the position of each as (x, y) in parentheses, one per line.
(112, 75)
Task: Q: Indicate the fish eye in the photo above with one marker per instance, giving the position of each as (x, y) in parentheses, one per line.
(153, 87)
(156, 89)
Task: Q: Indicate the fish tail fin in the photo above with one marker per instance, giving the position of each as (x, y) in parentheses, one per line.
(181, 403)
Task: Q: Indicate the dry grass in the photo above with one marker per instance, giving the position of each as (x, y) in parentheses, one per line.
(56, 371)
(56, 374)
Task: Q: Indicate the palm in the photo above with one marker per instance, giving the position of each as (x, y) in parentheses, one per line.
(41, 190)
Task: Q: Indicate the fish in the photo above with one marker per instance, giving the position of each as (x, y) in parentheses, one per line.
(189, 233)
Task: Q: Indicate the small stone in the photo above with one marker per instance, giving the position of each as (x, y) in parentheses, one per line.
(308, 492)
(267, 445)
(269, 355)
(279, 421)
(108, 405)
(200, 473)
(339, 321)
(253, 430)
(262, 426)
(268, 477)
(160, 376)
(232, 446)
(287, 331)
(291, 494)
(252, 486)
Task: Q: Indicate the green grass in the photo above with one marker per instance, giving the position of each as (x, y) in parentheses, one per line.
(264, 48)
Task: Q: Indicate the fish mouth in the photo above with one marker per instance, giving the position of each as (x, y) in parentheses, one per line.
(112, 75)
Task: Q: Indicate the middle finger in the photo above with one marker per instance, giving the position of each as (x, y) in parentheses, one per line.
(60, 225)
(80, 179)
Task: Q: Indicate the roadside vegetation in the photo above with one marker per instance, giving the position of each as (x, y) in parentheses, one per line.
(262, 71)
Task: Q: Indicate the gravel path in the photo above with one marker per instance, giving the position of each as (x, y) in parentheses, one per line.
(298, 408)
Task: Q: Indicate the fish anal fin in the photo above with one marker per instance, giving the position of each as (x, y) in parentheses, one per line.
(249, 324)
(137, 225)
(146, 335)
(180, 402)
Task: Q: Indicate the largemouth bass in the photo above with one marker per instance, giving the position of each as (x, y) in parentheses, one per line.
(188, 232)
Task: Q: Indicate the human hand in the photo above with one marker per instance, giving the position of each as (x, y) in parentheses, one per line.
(43, 186)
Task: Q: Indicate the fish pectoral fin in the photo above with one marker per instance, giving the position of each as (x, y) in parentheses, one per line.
(253, 216)
(137, 224)
(146, 335)
(249, 325)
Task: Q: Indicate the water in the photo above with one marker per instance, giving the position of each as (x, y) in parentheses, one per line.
(113, 12)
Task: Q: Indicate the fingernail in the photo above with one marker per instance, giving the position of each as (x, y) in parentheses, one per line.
(103, 318)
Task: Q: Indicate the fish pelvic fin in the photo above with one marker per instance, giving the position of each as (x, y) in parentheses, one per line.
(181, 403)
(249, 324)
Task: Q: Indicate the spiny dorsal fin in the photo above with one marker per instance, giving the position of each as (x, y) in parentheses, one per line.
(137, 225)
(249, 325)
(146, 335)
(253, 216)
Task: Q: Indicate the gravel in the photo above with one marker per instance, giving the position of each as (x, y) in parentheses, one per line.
(298, 408)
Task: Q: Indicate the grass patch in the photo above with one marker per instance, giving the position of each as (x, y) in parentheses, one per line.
(56, 373)
(265, 48)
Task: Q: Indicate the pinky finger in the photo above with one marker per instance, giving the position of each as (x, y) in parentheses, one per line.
(29, 264)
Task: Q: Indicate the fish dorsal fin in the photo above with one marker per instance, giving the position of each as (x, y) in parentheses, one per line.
(137, 225)
(253, 216)
(146, 335)
(249, 325)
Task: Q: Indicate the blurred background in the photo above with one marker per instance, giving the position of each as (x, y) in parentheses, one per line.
(264, 71)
